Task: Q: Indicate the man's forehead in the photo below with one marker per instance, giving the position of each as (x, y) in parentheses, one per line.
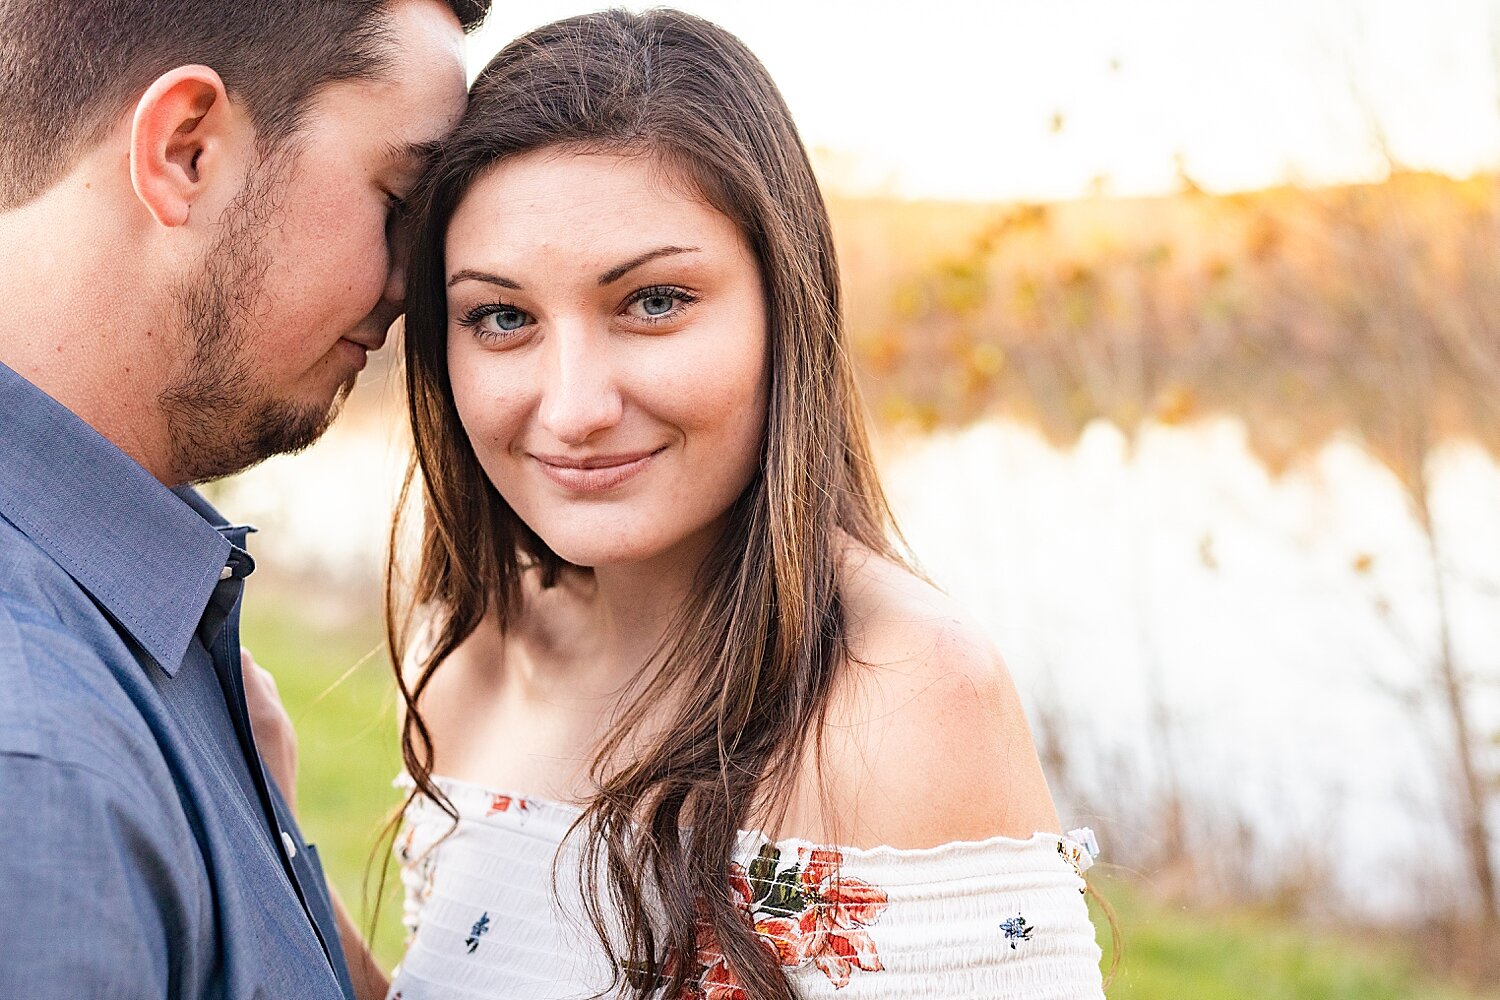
(422, 36)
(420, 87)
(407, 108)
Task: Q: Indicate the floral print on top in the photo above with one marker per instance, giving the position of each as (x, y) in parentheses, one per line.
(807, 911)
(848, 930)
(505, 803)
(1079, 849)
(1016, 929)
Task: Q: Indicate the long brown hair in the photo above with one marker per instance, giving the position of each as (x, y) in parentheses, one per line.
(751, 659)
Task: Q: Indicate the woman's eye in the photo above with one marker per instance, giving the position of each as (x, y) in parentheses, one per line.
(656, 304)
(496, 320)
(509, 319)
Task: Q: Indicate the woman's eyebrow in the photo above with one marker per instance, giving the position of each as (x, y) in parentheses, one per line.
(490, 279)
(614, 274)
(607, 278)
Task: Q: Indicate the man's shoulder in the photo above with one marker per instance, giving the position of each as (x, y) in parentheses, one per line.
(30, 578)
(62, 698)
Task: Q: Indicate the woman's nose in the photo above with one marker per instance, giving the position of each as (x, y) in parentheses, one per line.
(580, 394)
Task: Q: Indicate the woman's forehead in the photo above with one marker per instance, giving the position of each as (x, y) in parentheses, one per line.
(571, 206)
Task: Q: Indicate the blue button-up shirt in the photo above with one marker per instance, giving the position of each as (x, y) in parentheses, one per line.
(143, 852)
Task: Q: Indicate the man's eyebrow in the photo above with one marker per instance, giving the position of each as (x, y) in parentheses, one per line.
(490, 279)
(614, 274)
(413, 153)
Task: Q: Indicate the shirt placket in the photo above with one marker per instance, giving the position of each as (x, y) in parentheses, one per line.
(220, 632)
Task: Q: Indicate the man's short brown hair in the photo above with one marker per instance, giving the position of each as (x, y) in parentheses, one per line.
(69, 68)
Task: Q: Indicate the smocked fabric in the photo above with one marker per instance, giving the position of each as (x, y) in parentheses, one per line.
(1000, 919)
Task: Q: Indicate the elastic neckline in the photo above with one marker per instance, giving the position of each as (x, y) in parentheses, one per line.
(751, 840)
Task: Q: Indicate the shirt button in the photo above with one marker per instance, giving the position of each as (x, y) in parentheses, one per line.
(289, 844)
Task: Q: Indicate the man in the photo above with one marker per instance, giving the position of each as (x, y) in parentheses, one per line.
(195, 207)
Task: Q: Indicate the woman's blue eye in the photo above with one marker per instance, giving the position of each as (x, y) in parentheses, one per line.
(509, 319)
(660, 303)
(495, 320)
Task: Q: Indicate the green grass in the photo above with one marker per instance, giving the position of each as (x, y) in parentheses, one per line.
(349, 755)
(346, 732)
(1178, 954)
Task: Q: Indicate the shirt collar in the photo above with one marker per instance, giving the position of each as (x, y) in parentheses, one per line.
(150, 556)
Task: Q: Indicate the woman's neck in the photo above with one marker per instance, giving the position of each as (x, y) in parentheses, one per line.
(599, 628)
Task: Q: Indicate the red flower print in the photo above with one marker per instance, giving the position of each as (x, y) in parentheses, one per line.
(504, 803)
(787, 936)
(720, 983)
(739, 886)
(832, 928)
(715, 979)
(807, 912)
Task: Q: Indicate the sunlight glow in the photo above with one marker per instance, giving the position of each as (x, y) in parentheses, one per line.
(969, 99)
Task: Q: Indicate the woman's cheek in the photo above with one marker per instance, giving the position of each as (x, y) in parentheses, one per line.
(491, 398)
(713, 377)
(469, 400)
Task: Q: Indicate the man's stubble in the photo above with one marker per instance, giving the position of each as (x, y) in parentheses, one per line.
(221, 416)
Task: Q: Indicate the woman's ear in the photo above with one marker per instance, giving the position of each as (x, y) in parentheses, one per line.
(178, 138)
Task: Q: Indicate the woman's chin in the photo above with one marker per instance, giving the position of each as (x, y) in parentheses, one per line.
(597, 553)
(655, 538)
(604, 549)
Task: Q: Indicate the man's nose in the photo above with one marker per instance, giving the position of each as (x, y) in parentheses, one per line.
(580, 391)
(394, 292)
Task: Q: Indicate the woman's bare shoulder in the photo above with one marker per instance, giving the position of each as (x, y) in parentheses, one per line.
(926, 741)
(477, 650)
(456, 687)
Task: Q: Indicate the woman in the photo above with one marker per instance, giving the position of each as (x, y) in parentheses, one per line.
(679, 719)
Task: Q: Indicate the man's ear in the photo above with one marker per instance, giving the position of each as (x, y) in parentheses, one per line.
(178, 138)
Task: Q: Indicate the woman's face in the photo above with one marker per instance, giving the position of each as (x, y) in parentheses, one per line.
(607, 349)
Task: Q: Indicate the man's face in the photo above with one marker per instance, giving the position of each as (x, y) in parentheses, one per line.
(301, 283)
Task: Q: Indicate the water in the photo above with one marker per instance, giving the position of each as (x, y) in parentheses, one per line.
(1285, 665)
(1286, 625)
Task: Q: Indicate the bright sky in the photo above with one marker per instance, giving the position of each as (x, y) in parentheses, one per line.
(960, 98)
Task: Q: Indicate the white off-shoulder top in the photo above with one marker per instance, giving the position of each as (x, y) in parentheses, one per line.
(1000, 919)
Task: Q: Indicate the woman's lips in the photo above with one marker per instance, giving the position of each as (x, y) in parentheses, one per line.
(595, 473)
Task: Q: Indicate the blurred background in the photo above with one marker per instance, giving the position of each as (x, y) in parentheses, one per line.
(1179, 325)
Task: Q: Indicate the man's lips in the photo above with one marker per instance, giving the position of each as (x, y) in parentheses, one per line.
(368, 343)
(358, 354)
(360, 348)
(594, 473)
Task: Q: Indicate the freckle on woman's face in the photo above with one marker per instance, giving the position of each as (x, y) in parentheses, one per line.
(607, 348)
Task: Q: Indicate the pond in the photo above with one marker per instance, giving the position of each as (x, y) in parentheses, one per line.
(1193, 636)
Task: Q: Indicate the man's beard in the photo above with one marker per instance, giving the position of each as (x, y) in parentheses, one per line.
(220, 418)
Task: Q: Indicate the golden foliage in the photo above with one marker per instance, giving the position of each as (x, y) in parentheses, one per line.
(1369, 309)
